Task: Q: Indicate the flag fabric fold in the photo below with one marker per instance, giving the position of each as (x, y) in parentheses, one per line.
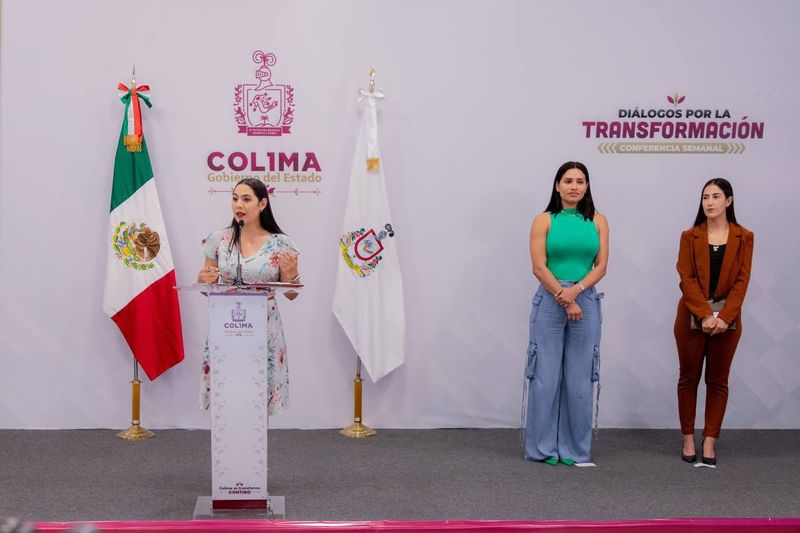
(139, 293)
(368, 300)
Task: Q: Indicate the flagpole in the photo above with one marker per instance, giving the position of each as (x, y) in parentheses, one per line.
(357, 430)
(135, 431)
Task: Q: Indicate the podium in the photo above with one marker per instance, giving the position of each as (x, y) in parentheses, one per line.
(237, 342)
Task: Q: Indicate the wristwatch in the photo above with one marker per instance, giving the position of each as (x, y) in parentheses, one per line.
(581, 288)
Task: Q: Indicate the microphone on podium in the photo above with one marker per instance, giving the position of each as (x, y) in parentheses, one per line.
(239, 281)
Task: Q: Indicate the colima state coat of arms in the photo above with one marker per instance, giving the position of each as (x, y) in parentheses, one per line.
(361, 249)
(264, 108)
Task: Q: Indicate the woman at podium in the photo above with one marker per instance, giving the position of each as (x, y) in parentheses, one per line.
(569, 253)
(253, 249)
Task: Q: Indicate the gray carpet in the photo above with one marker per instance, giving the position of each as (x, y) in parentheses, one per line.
(465, 474)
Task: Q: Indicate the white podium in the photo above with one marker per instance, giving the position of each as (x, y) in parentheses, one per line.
(237, 341)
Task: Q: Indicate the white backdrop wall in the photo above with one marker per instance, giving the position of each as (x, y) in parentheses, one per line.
(485, 99)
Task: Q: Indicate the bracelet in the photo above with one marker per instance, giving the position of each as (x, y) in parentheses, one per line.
(295, 279)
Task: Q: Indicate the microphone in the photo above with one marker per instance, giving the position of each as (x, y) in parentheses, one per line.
(239, 281)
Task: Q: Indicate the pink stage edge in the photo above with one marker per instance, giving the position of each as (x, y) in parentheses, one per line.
(672, 525)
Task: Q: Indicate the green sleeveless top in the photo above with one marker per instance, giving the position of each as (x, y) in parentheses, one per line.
(572, 244)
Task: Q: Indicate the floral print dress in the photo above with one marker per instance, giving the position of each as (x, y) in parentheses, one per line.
(261, 267)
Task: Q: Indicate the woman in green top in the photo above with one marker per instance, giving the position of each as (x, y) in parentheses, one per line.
(569, 254)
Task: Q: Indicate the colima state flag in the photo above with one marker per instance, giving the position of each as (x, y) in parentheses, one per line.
(139, 294)
(368, 301)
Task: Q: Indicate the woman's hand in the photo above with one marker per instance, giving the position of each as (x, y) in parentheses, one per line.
(720, 326)
(568, 295)
(208, 274)
(574, 311)
(287, 263)
(708, 324)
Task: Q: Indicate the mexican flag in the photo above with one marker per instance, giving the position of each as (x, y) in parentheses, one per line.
(140, 277)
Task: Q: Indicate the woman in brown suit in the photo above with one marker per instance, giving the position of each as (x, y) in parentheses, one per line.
(714, 266)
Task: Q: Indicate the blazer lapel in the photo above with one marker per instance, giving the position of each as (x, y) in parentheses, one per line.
(702, 260)
(731, 252)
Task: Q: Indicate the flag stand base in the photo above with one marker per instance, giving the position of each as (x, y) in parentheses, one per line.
(135, 432)
(357, 430)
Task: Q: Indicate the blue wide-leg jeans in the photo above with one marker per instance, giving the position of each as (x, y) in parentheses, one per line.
(563, 364)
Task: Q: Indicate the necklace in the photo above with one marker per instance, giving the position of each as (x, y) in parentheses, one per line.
(715, 247)
(252, 243)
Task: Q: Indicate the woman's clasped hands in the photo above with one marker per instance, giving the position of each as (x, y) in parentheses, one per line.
(566, 299)
(713, 325)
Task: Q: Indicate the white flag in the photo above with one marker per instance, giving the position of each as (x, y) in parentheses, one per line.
(368, 301)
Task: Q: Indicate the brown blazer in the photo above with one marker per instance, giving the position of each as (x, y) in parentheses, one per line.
(694, 269)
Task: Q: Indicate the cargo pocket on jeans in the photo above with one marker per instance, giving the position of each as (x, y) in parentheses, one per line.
(599, 297)
(530, 367)
(596, 379)
(537, 300)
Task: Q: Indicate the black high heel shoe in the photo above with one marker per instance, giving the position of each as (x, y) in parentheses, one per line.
(710, 461)
(688, 458)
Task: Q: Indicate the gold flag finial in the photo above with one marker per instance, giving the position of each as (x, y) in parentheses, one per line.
(372, 79)
(133, 143)
(373, 163)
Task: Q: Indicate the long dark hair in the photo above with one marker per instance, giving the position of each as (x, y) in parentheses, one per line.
(266, 218)
(727, 190)
(586, 206)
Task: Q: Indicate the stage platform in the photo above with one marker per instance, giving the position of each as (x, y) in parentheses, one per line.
(429, 476)
(714, 525)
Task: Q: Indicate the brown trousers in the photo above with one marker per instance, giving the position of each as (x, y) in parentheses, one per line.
(694, 347)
